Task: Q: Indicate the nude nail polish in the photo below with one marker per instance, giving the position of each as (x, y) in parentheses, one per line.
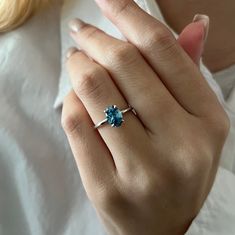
(71, 51)
(75, 25)
(205, 20)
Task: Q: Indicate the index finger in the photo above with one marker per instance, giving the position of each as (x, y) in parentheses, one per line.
(160, 48)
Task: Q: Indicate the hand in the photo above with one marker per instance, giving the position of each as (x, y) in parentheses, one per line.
(151, 175)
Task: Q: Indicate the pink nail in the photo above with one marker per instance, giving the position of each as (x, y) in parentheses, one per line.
(71, 51)
(206, 22)
(76, 24)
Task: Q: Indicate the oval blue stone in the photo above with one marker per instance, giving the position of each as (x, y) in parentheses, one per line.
(114, 116)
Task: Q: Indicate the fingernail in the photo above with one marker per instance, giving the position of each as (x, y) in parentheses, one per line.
(206, 22)
(76, 24)
(71, 51)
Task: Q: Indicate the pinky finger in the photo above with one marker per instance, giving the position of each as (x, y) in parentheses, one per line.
(93, 158)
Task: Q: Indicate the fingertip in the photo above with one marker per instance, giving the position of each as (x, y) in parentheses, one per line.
(76, 25)
(195, 31)
(71, 51)
(205, 21)
(192, 40)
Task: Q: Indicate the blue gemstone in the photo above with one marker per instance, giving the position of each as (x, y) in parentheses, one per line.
(114, 116)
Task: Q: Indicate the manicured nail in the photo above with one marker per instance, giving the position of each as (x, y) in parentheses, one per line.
(76, 24)
(206, 22)
(71, 51)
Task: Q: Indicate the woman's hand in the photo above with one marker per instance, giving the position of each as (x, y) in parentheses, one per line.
(151, 175)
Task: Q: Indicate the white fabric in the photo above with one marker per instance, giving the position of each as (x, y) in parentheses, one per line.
(40, 188)
(227, 84)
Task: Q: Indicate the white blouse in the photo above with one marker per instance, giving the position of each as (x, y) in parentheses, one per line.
(40, 188)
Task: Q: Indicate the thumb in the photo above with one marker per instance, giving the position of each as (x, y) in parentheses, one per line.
(193, 37)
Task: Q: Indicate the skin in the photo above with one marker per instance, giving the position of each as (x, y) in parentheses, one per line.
(152, 175)
(220, 49)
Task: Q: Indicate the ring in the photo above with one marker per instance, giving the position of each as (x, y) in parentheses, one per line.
(114, 116)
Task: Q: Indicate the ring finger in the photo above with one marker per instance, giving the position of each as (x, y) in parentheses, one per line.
(96, 90)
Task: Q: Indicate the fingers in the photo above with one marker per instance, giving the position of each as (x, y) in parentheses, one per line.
(192, 40)
(93, 158)
(96, 90)
(161, 50)
(134, 77)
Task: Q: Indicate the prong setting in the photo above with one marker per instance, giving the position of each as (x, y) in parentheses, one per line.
(114, 116)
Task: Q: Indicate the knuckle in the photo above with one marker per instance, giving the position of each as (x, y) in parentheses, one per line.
(91, 82)
(70, 123)
(190, 176)
(197, 166)
(223, 125)
(124, 53)
(220, 124)
(89, 31)
(149, 187)
(116, 10)
(145, 183)
(161, 39)
(106, 198)
(122, 7)
(193, 162)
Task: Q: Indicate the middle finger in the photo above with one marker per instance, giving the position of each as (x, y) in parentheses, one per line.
(96, 90)
(134, 77)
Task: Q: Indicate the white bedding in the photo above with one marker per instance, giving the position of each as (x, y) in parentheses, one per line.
(40, 188)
